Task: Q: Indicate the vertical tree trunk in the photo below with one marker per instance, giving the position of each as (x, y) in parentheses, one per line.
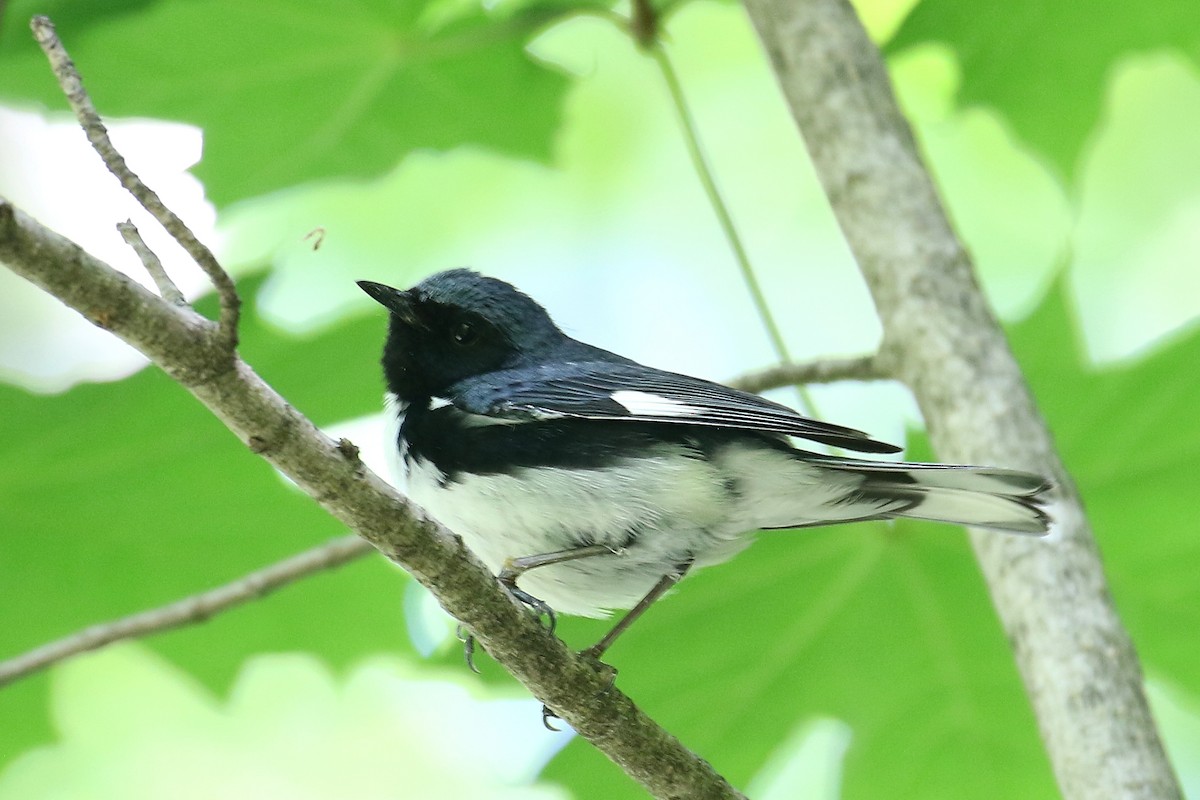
(941, 339)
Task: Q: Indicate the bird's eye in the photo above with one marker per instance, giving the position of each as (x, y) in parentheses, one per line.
(464, 334)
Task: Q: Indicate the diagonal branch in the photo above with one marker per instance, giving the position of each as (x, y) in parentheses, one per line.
(941, 339)
(189, 349)
(190, 610)
(97, 134)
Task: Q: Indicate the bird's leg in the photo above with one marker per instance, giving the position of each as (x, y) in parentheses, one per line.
(664, 584)
(513, 569)
(598, 649)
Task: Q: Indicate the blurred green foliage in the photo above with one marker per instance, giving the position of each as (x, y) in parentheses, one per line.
(121, 496)
(1044, 66)
(289, 91)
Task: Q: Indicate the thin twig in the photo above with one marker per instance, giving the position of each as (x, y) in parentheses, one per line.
(97, 134)
(857, 368)
(704, 171)
(166, 287)
(190, 610)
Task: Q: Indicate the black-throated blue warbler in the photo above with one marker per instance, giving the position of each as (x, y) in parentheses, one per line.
(589, 482)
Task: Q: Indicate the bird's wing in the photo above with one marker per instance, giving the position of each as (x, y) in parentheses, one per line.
(603, 390)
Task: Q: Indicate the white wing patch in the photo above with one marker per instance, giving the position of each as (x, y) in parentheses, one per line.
(644, 404)
(479, 420)
(467, 418)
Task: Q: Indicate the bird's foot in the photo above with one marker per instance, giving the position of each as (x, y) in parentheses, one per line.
(602, 668)
(540, 608)
(548, 714)
(468, 642)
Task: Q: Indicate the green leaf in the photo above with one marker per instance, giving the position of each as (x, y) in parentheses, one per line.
(119, 497)
(288, 92)
(1045, 65)
(1130, 436)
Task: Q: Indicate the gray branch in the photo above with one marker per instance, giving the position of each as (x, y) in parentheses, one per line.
(825, 370)
(194, 352)
(150, 260)
(940, 338)
(188, 611)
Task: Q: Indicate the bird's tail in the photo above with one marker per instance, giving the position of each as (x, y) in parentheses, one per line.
(982, 497)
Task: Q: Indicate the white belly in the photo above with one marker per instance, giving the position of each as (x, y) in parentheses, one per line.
(655, 513)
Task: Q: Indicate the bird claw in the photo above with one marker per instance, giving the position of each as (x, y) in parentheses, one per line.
(602, 667)
(539, 607)
(547, 715)
(468, 641)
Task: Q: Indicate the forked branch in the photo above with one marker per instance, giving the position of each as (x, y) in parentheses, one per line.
(89, 119)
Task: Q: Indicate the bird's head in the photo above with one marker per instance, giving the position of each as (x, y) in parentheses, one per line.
(455, 325)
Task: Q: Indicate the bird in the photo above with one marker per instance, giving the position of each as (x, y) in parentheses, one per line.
(590, 483)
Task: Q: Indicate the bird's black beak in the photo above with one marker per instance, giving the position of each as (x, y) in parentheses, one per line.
(398, 302)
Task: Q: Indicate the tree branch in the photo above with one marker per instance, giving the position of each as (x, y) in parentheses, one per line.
(826, 370)
(97, 134)
(1079, 666)
(190, 610)
(166, 287)
(191, 350)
